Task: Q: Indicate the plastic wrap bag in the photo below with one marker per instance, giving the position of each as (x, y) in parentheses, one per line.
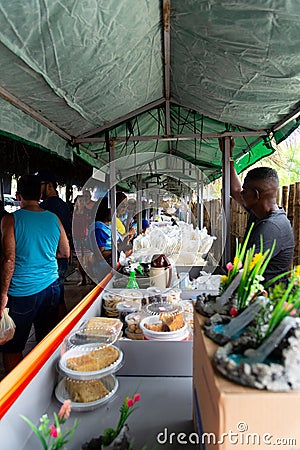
(7, 327)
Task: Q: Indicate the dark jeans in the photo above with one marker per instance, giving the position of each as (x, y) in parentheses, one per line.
(62, 271)
(40, 310)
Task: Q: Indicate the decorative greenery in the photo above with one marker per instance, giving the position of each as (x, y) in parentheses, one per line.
(126, 409)
(251, 282)
(287, 301)
(51, 436)
(238, 261)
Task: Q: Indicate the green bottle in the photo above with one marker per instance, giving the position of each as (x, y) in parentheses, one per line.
(132, 283)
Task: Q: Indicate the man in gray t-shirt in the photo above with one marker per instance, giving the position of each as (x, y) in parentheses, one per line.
(258, 196)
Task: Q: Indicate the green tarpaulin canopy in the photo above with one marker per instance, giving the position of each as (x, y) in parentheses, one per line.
(158, 76)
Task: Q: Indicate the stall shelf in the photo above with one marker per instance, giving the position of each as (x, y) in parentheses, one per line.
(161, 372)
(233, 416)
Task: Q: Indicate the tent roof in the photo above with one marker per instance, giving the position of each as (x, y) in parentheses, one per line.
(158, 75)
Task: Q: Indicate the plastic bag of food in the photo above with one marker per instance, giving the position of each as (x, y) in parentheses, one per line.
(7, 327)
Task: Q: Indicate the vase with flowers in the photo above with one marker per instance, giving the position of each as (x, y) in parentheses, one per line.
(116, 438)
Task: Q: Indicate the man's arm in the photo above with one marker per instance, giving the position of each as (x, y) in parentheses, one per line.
(8, 257)
(63, 249)
(235, 182)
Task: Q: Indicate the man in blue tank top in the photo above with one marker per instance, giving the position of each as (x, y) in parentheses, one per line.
(32, 239)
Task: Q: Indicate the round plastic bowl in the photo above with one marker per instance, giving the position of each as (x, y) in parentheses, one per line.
(178, 335)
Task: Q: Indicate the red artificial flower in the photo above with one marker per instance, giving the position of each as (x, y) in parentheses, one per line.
(233, 311)
(130, 402)
(136, 397)
(53, 431)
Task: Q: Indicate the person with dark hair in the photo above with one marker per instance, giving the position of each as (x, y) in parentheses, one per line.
(258, 195)
(32, 239)
(53, 203)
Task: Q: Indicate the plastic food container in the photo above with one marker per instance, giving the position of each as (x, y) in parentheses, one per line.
(133, 323)
(125, 308)
(63, 391)
(156, 295)
(95, 330)
(87, 362)
(132, 295)
(187, 306)
(178, 335)
(173, 295)
(189, 319)
(110, 300)
(110, 312)
(134, 336)
(166, 307)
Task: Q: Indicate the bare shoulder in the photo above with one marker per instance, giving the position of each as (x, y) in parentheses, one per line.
(7, 221)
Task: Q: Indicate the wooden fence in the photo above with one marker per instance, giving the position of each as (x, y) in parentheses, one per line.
(288, 198)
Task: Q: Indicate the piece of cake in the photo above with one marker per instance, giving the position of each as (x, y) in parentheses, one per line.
(95, 360)
(171, 321)
(85, 391)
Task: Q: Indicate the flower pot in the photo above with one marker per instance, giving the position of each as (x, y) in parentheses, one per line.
(121, 442)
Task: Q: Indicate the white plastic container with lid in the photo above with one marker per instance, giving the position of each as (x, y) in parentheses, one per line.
(133, 325)
(64, 392)
(90, 361)
(127, 307)
(177, 335)
(132, 295)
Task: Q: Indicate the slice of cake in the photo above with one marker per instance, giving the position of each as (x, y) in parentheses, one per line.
(95, 360)
(85, 391)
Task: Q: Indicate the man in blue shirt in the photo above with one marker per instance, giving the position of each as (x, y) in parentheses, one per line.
(52, 202)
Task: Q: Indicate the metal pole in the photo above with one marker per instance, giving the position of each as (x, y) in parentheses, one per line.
(139, 203)
(226, 202)
(112, 198)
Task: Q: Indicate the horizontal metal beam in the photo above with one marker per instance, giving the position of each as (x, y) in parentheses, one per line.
(173, 137)
(120, 120)
(287, 119)
(33, 113)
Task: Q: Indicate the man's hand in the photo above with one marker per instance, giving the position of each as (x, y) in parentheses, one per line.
(222, 145)
(4, 299)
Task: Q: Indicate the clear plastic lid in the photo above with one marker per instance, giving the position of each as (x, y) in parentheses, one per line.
(134, 318)
(158, 308)
(95, 330)
(86, 362)
(131, 294)
(128, 306)
(86, 395)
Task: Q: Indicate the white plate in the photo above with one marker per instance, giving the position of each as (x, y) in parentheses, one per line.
(110, 382)
(84, 350)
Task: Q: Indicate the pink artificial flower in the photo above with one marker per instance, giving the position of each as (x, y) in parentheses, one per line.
(240, 265)
(229, 266)
(288, 307)
(136, 397)
(130, 402)
(53, 431)
(233, 311)
(65, 411)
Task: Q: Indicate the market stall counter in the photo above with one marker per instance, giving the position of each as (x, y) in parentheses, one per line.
(160, 371)
(230, 416)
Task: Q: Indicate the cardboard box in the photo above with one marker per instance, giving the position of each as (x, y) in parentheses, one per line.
(234, 416)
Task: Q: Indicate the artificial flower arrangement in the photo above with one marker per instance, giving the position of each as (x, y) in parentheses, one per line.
(117, 438)
(253, 266)
(51, 435)
(283, 301)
